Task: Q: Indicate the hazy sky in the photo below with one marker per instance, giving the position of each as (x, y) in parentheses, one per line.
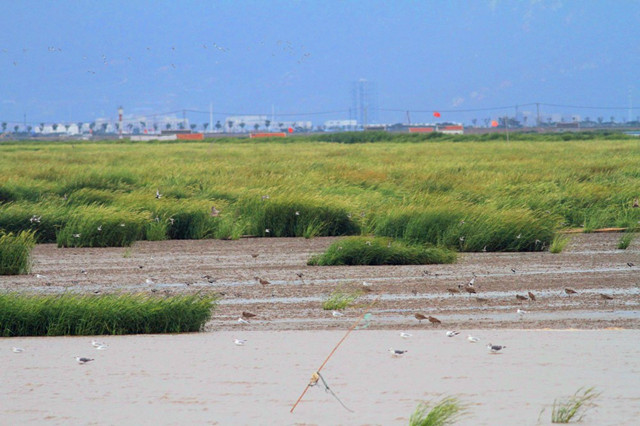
(79, 60)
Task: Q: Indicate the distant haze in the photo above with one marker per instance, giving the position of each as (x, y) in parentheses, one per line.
(67, 61)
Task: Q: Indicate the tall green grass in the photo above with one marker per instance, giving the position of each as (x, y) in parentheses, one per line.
(380, 251)
(468, 228)
(445, 412)
(15, 252)
(70, 314)
(98, 226)
(436, 189)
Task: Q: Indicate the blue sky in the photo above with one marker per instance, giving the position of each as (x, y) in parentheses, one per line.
(69, 61)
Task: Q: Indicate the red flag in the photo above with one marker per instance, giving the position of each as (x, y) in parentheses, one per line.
(494, 123)
(436, 114)
(290, 129)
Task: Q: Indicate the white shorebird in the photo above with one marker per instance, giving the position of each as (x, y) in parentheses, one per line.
(405, 335)
(521, 312)
(102, 347)
(83, 360)
(337, 314)
(472, 282)
(472, 339)
(452, 333)
(239, 342)
(397, 352)
(495, 348)
(17, 350)
(42, 277)
(158, 194)
(97, 344)
(242, 321)
(148, 281)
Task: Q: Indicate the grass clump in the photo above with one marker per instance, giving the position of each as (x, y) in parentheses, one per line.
(559, 243)
(380, 251)
(15, 252)
(295, 218)
(625, 240)
(564, 411)
(468, 228)
(446, 412)
(70, 314)
(98, 226)
(340, 299)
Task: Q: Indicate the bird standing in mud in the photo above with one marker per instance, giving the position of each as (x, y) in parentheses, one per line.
(434, 320)
(420, 317)
(262, 281)
(495, 348)
(570, 291)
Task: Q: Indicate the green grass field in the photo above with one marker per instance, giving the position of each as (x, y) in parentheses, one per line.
(464, 193)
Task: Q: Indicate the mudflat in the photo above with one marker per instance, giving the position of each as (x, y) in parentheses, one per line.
(561, 343)
(292, 298)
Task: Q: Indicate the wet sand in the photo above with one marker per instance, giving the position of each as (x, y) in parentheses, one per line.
(205, 379)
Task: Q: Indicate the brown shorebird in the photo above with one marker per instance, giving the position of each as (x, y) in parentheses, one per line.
(255, 255)
(531, 296)
(434, 320)
(481, 299)
(606, 296)
(246, 314)
(470, 290)
(453, 291)
(420, 317)
(570, 291)
(520, 297)
(262, 281)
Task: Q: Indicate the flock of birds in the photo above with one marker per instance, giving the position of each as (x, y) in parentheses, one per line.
(396, 353)
(80, 359)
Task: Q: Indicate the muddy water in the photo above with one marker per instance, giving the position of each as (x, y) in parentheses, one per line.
(206, 379)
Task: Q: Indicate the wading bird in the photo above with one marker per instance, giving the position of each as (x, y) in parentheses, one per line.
(397, 352)
(434, 320)
(83, 360)
(495, 348)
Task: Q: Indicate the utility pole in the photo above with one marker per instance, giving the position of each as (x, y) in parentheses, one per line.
(120, 111)
(211, 116)
(409, 117)
(506, 125)
(184, 119)
(538, 115)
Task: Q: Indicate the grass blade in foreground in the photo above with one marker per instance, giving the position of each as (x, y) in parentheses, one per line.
(15, 252)
(70, 314)
(565, 411)
(380, 251)
(446, 412)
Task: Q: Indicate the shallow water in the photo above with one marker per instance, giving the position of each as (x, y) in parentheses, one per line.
(205, 379)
